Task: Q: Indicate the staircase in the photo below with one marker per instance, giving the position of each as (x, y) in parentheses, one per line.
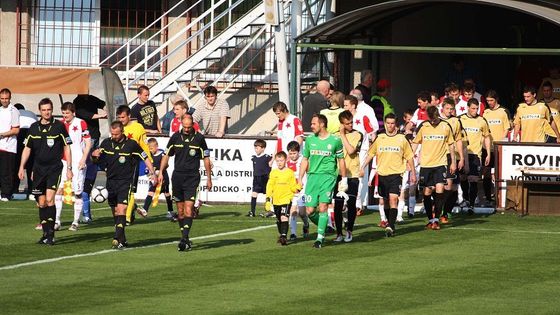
(222, 33)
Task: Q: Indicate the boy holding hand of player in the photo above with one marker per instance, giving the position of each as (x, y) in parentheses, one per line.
(298, 202)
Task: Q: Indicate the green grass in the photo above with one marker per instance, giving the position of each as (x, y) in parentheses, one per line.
(478, 265)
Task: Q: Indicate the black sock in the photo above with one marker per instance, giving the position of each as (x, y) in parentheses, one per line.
(119, 228)
(487, 184)
(473, 192)
(169, 201)
(428, 206)
(338, 205)
(438, 202)
(186, 227)
(284, 228)
(43, 215)
(450, 201)
(148, 202)
(392, 217)
(253, 204)
(351, 212)
(465, 189)
(51, 215)
(446, 197)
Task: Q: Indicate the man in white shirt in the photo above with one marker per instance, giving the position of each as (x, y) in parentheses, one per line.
(9, 129)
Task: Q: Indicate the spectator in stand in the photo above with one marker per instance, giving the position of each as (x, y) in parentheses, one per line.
(26, 118)
(366, 82)
(145, 111)
(212, 114)
(168, 117)
(90, 109)
(314, 103)
(420, 115)
(335, 108)
(180, 109)
(9, 129)
(380, 104)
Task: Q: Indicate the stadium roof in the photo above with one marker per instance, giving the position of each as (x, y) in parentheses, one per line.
(343, 27)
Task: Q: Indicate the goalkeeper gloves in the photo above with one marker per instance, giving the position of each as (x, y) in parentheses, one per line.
(343, 184)
(342, 195)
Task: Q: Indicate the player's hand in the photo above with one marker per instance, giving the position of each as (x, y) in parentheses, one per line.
(361, 172)
(160, 178)
(154, 178)
(412, 179)
(343, 184)
(461, 164)
(96, 153)
(102, 114)
(487, 161)
(69, 174)
(342, 130)
(20, 173)
(208, 183)
(557, 140)
(82, 165)
(452, 168)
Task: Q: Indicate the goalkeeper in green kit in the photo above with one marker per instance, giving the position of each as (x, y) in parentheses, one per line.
(323, 160)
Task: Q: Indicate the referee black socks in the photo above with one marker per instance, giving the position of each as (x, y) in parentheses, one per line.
(119, 228)
(185, 225)
(148, 202)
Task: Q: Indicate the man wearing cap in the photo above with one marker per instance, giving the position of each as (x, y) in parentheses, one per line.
(380, 103)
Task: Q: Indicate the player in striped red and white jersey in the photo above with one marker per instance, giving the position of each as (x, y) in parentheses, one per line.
(289, 127)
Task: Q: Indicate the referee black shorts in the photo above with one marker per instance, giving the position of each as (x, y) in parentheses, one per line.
(259, 184)
(390, 184)
(430, 176)
(45, 177)
(119, 191)
(185, 186)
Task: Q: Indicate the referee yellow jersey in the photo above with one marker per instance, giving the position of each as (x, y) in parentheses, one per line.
(499, 122)
(435, 142)
(476, 129)
(136, 132)
(352, 161)
(533, 120)
(281, 186)
(392, 153)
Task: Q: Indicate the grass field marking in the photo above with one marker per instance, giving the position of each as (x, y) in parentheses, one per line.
(35, 208)
(506, 231)
(108, 251)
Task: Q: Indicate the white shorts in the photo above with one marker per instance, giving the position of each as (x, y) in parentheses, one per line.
(78, 177)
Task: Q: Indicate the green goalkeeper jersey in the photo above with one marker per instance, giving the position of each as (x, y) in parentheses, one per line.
(323, 154)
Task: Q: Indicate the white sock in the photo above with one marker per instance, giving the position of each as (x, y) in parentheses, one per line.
(293, 224)
(400, 208)
(58, 205)
(78, 205)
(382, 213)
(460, 194)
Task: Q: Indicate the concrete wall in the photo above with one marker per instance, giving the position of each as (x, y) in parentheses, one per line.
(8, 28)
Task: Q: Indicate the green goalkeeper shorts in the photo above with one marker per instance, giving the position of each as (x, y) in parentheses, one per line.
(319, 189)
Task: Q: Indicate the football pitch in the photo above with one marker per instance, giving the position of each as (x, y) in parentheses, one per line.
(495, 264)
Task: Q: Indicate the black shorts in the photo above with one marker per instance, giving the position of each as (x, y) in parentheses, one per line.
(259, 184)
(119, 191)
(484, 155)
(164, 185)
(185, 186)
(390, 184)
(353, 185)
(454, 177)
(282, 210)
(430, 176)
(45, 177)
(550, 139)
(474, 165)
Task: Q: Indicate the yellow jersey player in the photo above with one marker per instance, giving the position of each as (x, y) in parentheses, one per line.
(531, 119)
(436, 138)
(477, 132)
(133, 131)
(393, 153)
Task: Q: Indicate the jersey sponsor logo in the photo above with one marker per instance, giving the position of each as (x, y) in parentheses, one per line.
(531, 116)
(433, 137)
(320, 152)
(471, 129)
(494, 121)
(389, 149)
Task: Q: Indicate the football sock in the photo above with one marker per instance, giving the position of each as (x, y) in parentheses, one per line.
(428, 206)
(351, 213)
(411, 202)
(253, 204)
(283, 228)
(382, 214)
(58, 205)
(85, 208)
(186, 227)
(465, 189)
(43, 215)
(438, 202)
(400, 208)
(293, 224)
(78, 205)
(487, 184)
(169, 201)
(148, 202)
(120, 221)
(51, 211)
(446, 197)
(473, 192)
(338, 204)
(322, 226)
(129, 207)
(314, 217)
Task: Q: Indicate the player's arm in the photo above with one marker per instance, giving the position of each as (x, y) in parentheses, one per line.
(302, 169)
(459, 145)
(152, 171)
(158, 124)
(555, 128)
(144, 143)
(163, 166)
(208, 168)
(350, 149)
(68, 158)
(270, 185)
(516, 126)
(412, 176)
(24, 158)
(341, 167)
(85, 153)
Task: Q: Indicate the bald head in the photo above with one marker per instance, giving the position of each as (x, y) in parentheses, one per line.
(323, 87)
(357, 94)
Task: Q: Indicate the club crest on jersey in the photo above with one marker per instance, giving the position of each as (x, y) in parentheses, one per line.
(122, 159)
(50, 142)
(192, 152)
(329, 146)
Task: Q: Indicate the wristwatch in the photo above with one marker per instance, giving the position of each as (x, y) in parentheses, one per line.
(69, 168)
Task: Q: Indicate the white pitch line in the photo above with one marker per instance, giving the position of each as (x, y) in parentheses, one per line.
(506, 231)
(108, 251)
